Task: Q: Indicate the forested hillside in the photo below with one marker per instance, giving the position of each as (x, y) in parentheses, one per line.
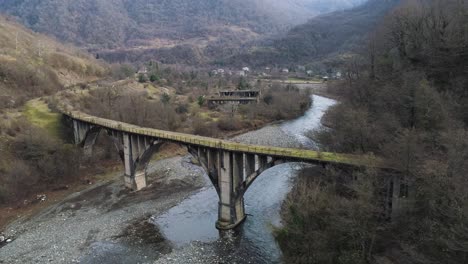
(138, 29)
(328, 35)
(404, 98)
(32, 65)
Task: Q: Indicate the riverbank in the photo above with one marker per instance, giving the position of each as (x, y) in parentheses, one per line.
(95, 224)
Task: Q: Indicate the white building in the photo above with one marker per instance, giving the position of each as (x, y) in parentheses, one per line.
(246, 69)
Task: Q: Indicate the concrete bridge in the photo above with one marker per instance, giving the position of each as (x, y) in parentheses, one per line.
(232, 167)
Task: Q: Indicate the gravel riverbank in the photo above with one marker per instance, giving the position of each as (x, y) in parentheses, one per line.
(105, 223)
(269, 136)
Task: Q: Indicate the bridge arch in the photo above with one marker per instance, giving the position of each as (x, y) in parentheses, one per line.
(135, 151)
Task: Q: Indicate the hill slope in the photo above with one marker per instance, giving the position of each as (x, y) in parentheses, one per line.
(32, 65)
(136, 27)
(322, 36)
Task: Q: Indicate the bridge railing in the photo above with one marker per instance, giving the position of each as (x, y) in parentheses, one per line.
(287, 153)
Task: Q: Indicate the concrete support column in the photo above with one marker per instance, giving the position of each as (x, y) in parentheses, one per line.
(76, 132)
(238, 180)
(231, 205)
(137, 152)
(262, 162)
(128, 162)
(249, 164)
(85, 135)
(91, 136)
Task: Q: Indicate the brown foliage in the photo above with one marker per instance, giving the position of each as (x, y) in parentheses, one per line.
(38, 161)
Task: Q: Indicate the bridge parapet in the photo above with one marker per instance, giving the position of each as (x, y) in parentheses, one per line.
(286, 153)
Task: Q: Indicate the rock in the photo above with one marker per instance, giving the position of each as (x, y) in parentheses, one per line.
(2, 238)
(41, 197)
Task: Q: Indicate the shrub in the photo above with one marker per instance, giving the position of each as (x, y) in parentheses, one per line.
(142, 78)
(165, 98)
(201, 100)
(46, 156)
(154, 78)
(202, 128)
(229, 124)
(182, 109)
(122, 71)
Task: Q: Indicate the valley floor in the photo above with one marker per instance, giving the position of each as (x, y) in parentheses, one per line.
(66, 232)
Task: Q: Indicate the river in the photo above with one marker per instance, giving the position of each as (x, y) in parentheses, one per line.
(190, 226)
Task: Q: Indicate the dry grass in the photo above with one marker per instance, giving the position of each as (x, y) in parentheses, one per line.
(34, 65)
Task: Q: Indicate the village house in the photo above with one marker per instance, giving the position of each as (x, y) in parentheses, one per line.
(142, 71)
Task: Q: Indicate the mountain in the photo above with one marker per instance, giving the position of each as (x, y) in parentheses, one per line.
(33, 65)
(321, 37)
(138, 27)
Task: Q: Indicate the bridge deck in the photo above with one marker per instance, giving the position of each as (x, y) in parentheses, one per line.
(284, 153)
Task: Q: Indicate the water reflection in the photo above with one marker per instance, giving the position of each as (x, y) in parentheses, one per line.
(309, 121)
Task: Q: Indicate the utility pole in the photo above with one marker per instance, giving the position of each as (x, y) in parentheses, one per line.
(40, 49)
(16, 42)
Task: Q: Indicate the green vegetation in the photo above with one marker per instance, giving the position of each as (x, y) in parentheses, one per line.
(142, 78)
(38, 113)
(201, 100)
(165, 98)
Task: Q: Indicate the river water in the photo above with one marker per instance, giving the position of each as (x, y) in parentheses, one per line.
(190, 226)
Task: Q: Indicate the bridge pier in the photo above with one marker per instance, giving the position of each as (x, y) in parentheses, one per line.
(231, 173)
(137, 152)
(134, 150)
(231, 210)
(86, 135)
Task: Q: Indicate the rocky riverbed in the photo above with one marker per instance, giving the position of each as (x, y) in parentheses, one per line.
(269, 136)
(104, 222)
